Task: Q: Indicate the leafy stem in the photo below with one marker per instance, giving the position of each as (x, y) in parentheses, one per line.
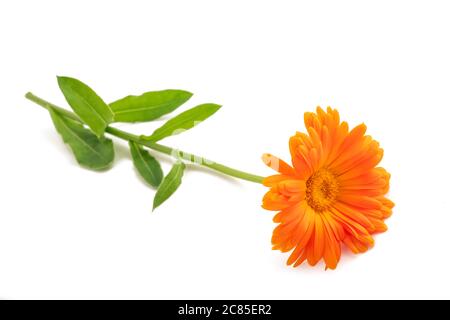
(178, 154)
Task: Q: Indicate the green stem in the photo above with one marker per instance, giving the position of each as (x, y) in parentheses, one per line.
(178, 154)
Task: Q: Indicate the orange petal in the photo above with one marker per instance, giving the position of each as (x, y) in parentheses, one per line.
(360, 201)
(319, 239)
(278, 164)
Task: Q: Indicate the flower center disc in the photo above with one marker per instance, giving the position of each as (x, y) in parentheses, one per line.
(321, 190)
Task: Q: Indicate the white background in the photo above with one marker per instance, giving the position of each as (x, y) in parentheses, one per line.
(66, 232)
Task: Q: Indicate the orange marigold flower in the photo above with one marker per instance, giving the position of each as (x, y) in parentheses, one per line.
(333, 195)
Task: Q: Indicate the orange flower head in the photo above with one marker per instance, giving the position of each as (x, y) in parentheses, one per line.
(332, 196)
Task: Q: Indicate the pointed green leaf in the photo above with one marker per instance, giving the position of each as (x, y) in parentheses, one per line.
(148, 106)
(89, 150)
(147, 166)
(86, 104)
(169, 184)
(184, 121)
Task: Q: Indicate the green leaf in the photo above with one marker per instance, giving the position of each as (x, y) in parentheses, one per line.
(184, 121)
(148, 106)
(86, 104)
(89, 150)
(147, 166)
(169, 184)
